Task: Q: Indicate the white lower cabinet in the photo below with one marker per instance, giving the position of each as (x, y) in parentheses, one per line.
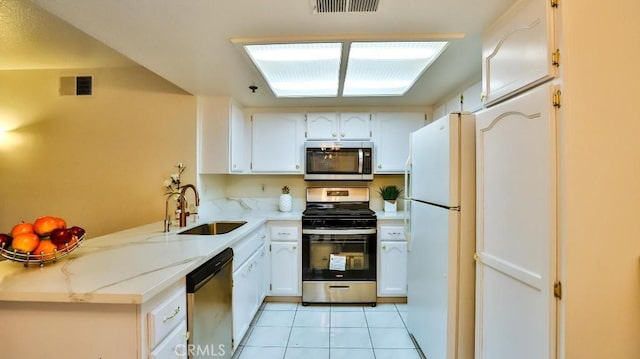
(173, 346)
(393, 268)
(285, 258)
(248, 294)
(248, 282)
(392, 261)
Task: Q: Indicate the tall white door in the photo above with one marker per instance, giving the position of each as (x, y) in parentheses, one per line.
(516, 228)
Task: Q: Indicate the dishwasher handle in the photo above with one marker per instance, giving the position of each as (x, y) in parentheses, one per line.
(201, 275)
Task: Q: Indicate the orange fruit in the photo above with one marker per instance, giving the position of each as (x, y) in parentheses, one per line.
(44, 225)
(61, 222)
(25, 242)
(21, 228)
(45, 250)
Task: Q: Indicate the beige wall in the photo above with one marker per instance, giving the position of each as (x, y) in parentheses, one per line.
(98, 161)
(601, 178)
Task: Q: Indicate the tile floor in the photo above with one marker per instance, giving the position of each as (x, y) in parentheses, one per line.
(292, 331)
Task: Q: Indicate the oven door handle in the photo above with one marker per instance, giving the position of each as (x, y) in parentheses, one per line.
(339, 231)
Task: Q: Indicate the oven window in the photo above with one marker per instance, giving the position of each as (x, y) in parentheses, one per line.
(345, 161)
(339, 257)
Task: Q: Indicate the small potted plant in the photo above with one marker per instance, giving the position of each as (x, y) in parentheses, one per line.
(390, 195)
(286, 202)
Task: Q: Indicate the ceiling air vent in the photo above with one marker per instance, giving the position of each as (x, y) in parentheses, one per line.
(333, 6)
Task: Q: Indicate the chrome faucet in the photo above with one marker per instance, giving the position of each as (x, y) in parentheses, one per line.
(183, 200)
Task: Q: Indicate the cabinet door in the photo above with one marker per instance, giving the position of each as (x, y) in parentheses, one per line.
(322, 126)
(392, 279)
(517, 50)
(391, 139)
(236, 146)
(173, 346)
(277, 143)
(285, 263)
(516, 240)
(355, 126)
(241, 301)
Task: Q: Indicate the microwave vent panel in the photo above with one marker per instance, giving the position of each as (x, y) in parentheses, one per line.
(337, 6)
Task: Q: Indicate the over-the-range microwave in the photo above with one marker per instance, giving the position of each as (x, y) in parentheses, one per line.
(338, 161)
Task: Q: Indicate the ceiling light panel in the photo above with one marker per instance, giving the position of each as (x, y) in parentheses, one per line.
(299, 70)
(387, 68)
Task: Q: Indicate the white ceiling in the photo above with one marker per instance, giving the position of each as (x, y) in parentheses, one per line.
(188, 41)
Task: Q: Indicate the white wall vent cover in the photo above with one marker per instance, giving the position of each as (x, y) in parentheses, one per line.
(333, 6)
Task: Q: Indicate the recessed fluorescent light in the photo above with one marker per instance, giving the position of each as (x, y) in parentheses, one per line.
(299, 70)
(373, 68)
(387, 68)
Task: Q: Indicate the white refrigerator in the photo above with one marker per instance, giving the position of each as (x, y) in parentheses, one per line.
(440, 198)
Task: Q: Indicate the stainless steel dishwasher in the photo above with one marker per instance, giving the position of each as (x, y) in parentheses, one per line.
(209, 316)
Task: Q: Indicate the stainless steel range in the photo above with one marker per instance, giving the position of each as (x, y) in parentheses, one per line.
(338, 246)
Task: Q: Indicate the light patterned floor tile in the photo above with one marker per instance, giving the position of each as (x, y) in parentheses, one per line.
(352, 353)
(307, 353)
(262, 353)
(280, 306)
(391, 338)
(268, 337)
(348, 320)
(396, 354)
(303, 337)
(384, 320)
(276, 318)
(312, 319)
(350, 338)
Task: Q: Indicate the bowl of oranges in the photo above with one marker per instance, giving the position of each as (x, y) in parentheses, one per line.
(45, 240)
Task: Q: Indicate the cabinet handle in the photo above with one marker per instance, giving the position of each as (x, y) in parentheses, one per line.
(342, 134)
(379, 166)
(384, 248)
(295, 247)
(297, 167)
(333, 134)
(173, 315)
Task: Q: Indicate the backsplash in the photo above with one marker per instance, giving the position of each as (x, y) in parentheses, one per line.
(261, 192)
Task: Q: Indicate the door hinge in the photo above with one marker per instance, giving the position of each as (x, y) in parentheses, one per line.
(270, 286)
(555, 58)
(554, 3)
(557, 290)
(250, 165)
(305, 134)
(269, 248)
(557, 99)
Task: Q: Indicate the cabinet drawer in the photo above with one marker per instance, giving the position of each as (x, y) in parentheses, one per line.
(246, 247)
(284, 233)
(392, 233)
(166, 316)
(174, 346)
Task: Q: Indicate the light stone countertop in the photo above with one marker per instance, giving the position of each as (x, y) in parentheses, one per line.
(126, 267)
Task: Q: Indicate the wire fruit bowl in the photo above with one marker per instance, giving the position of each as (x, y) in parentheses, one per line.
(42, 258)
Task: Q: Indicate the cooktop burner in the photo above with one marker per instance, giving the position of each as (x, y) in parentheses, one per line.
(338, 212)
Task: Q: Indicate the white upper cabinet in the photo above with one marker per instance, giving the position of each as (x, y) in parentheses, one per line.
(338, 126)
(518, 50)
(277, 143)
(221, 131)
(391, 139)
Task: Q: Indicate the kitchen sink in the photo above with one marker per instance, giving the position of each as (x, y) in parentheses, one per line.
(218, 227)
